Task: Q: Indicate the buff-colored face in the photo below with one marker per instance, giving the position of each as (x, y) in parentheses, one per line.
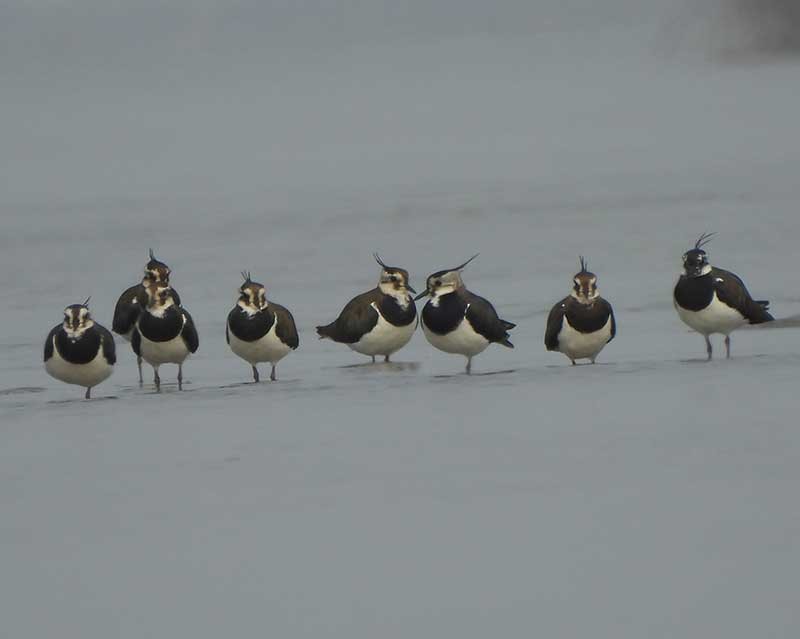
(77, 318)
(156, 273)
(253, 296)
(444, 282)
(159, 296)
(584, 287)
(394, 281)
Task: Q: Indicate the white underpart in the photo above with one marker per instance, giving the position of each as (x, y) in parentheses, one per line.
(385, 338)
(441, 292)
(173, 351)
(714, 318)
(577, 345)
(86, 375)
(463, 340)
(265, 349)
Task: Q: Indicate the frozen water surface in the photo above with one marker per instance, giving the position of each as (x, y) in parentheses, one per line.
(651, 495)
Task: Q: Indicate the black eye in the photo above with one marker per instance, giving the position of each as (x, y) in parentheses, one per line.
(438, 282)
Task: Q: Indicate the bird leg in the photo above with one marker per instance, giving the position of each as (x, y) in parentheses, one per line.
(385, 358)
(727, 347)
(373, 359)
(708, 347)
(272, 375)
(180, 376)
(139, 364)
(469, 366)
(157, 380)
(88, 393)
(255, 374)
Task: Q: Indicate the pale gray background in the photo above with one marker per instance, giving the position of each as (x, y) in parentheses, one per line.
(650, 496)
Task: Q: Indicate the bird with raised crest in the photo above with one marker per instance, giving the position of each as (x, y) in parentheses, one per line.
(580, 325)
(130, 303)
(79, 350)
(712, 300)
(259, 330)
(457, 321)
(165, 332)
(380, 321)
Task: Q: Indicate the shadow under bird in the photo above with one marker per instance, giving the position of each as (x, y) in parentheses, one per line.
(580, 325)
(165, 332)
(259, 330)
(79, 350)
(130, 303)
(456, 320)
(711, 300)
(380, 321)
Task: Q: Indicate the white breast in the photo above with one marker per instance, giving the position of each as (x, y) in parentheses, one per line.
(265, 349)
(86, 375)
(461, 341)
(714, 318)
(384, 338)
(577, 345)
(173, 351)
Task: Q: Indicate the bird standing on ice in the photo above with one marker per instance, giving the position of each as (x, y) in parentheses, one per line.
(380, 321)
(258, 330)
(582, 323)
(711, 300)
(79, 351)
(130, 303)
(456, 320)
(165, 332)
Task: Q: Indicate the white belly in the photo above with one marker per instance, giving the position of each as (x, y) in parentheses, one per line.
(714, 318)
(577, 345)
(173, 351)
(462, 341)
(86, 375)
(384, 338)
(266, 349)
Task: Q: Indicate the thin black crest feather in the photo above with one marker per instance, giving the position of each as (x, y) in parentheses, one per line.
(704, 239)
(152, 255)
(246, 276)
(86, 303)
(379, 260)
(584, 265)
(458, 268)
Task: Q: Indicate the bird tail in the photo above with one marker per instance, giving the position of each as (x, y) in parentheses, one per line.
(506, 342)
(760, 312)
(325, 332)
(508, 325)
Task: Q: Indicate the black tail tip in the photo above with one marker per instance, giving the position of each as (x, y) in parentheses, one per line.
(763, 304)
(507, 343)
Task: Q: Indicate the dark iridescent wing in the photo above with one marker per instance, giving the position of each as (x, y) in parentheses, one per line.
(484, 319)
(48, 345)
(189, 332)
(286, 329)
(555, 321)
(731, 290)
(107, 342)
(357, 318)
(127, 310)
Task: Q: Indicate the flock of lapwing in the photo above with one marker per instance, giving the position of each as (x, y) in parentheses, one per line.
(377, 323)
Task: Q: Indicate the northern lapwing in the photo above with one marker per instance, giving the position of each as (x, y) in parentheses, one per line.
(380, 321)
(165, 332)
(79, 350)
(259, 330)
(711, 300)
(456, 320)
(582, 323)
(130, 303)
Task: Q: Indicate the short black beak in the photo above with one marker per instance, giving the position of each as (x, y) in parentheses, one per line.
(410, 288)
(421, 295)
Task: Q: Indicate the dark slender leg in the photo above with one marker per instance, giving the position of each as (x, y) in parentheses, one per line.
(139, 364)
(727, 347)
(373, 359)
(593, 360)
(573, 362)
(272, 375)
(385, 358)
(708, 347)
(255, 374)
(157, 380)
(88, 393)
(180, 376)
(469, 366)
